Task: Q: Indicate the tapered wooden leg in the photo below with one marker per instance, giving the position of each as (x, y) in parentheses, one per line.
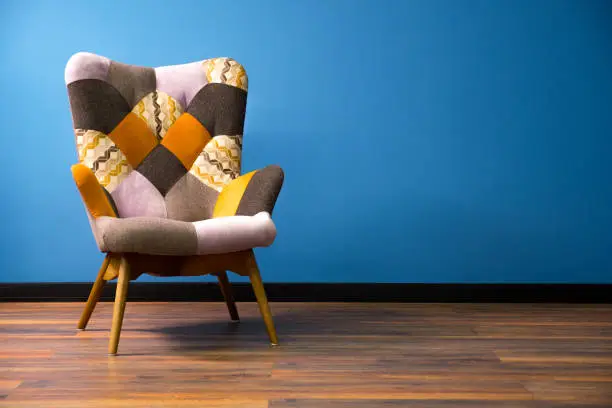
(262, 299)
(228, 294)
(94, 295)
(120, 296)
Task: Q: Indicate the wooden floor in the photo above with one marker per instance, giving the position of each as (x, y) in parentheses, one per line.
(331, 355)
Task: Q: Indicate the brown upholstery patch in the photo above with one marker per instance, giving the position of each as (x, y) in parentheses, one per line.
(147, 235)
(96, 105)
(131, 81)
(190, 200)
(220, 108)
(262, 191)
(162, 168)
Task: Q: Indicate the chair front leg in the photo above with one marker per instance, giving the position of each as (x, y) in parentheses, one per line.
(262, 299)
(94, 295)
(228, 295)
(119, 309)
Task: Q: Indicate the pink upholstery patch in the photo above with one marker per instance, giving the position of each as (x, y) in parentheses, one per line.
(137, 197)
(181, 82)
(237, 233)
(84, 65)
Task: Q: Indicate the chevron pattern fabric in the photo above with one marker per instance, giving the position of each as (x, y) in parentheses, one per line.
(116, 89)
(164, 143)
(219, 162)
(98, 152)
(226, 71)
(159, 111)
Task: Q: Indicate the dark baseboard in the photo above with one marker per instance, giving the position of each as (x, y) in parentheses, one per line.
(320, 292)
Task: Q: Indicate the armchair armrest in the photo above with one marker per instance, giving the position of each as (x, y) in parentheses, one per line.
(250, 193)
(97, 200)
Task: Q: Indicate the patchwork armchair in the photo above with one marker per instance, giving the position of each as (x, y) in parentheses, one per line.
(159, 154)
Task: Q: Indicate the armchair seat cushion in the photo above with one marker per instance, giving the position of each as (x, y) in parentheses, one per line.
(161, 236)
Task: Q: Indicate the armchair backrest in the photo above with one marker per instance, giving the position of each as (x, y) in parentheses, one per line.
(171, 125)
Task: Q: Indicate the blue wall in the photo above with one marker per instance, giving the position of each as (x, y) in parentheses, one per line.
(423, 141)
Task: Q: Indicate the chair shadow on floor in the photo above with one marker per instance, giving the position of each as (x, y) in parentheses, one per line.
(250, 332)
(301, 326)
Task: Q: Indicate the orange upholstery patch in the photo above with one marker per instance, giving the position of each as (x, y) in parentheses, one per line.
(134, 138)
(230, 196)
(92, 192)
(186, 139)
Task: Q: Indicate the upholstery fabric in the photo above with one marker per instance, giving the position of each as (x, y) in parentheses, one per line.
(198, 207)
(219, 162)
(99, 153)
(230, 196)
(262, 191)
(154, 235)
(159, 154)
(137, 196)
(231, 234)
(98, 202)
(159, 111)
(111, 102)
(160, 236)
(251, 193)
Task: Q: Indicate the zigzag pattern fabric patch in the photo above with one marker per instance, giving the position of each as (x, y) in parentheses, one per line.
(192, 123)
(219, 162)
(226, 71)
(159, 111)
(98, 152)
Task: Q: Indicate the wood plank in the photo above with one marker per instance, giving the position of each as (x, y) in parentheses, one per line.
(332, 355)
(574, 392)
(382, 403)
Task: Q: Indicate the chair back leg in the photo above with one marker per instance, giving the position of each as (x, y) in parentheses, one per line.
(94, 295)
(228, 295)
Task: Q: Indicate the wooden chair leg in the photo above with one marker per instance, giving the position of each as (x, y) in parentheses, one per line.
(120, 297)
(262, 299)
(94, 295)
(228, 294)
